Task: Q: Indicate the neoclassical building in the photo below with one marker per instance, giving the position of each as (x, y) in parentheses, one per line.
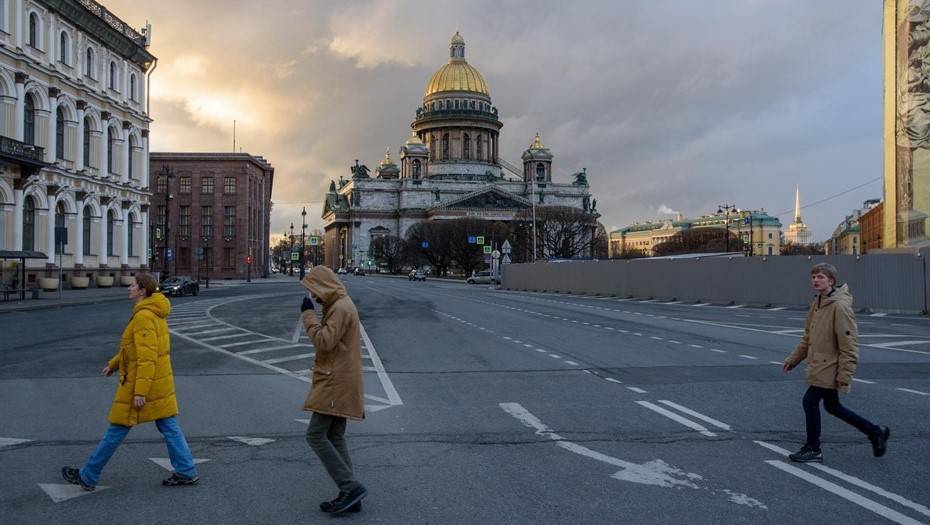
(73, 138)
(450, 167)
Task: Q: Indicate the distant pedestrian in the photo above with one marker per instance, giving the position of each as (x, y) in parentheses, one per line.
(337, 390)
(145, 391)
(830, 347)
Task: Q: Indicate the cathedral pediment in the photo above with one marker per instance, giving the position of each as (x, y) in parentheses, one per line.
(492, 198)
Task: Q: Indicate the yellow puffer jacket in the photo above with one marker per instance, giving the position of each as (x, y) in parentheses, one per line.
(144, 365)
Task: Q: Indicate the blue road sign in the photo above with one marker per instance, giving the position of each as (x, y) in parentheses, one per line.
(425, 244)
(472, 239)
(170, 254)
(746, 220)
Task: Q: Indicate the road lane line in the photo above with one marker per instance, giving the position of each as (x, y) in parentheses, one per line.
(744, 356)
(637, 390)
(702, 417)
(230, 345)
(298, 329)
(202, 332)
(846, 494)
(736, 306)
(854, 481)
(386, 382)
(719, 351)
(612, 380)
(696, 346)
(913, 391)
(289, 358)
(856, 379)
(779, 363)
(217, 338)
(674, 342)
(541, 350)
(555, 356)
(572, 363)
(676, 418)
(879, 315)
(263, 350)
(777, 308)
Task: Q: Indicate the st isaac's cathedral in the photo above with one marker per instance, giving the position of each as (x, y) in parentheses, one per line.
(449, 168)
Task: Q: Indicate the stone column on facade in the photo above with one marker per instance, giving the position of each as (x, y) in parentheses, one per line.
(124, 241)
(20, 107)
(144, 176)
(52, 45)
(79, 154)
(79, 230)
(18, 201)
(125, 82)
(127, 153)
(18, 16)
(79, 55)
(103, 258)
(50, 226)
(50, 150)
(104, 144)
(144, 257)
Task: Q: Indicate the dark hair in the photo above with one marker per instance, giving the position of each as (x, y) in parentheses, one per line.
(147, 282)
(827, 269)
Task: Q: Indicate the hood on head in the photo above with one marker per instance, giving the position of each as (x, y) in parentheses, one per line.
(839, 293)
(324, 284)
(156, 303)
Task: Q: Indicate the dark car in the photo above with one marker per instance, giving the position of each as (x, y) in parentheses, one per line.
(359, 271)
(180, 286)
(416, 275)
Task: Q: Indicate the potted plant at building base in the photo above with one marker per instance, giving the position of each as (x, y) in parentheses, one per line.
(104, 281)
(125, 280)
(79, 283)
(49, 284)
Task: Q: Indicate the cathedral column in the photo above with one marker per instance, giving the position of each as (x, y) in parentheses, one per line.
(79, 159)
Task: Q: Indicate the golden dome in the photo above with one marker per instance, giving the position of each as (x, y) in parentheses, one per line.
(537, 143)
(457, 75)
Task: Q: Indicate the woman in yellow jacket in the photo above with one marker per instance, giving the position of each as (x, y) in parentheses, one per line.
(145, 391)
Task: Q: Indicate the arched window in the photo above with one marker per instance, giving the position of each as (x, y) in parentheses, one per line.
(479, 152)
(416, 168)
(59, 223)
(59, 133)
(132, 86)
(541, 172)
(110, 221)
(29, 224)
(63, 51)
(112, 75)
(29, 121)
(34, 30)
(89, 63)
(111, 143)
(129, 224)
(132, 144)
(445, 146)
(87, 231)
(466, 146)
(87, 125)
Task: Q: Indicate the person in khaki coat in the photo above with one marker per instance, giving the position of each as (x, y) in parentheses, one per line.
(145, 391)
(337, 391)
(830, 346)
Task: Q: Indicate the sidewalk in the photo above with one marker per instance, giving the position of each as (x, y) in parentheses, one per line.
(87, 296)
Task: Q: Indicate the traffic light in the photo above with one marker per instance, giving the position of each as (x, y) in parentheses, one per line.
(248, 259)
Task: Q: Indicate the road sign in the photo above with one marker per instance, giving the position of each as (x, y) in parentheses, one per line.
(496, 254)
(200, 253)
(170, 254)
(505, 248)
(746, 220)
(295, 256)
(506, 259)
(472, 239)
(487, 249)
(424, 244)
(314, 240)
(480, 240)
(158, 233)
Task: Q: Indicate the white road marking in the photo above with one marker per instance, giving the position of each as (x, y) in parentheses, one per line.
(202, 332)
(736, 306)
(676, 418)
(846, 494)
(698, 415)
(696, 346)
(719, 351)
(7, 442)
(674, 342)
(612, 380)
(701, 304)
(386, 382)
(555, 356)
(289, 358)
(298, 330)
(541, 350)
(252, 442)
(880, 314)
(779, 363)
(744, 356)
(655, 337)
(270, 349)
(230, 345)
(637, 390)
(913, 391)
(527, 345)
(507, 338)
(165, 463)
(64, 491)
(571, 363)
(777, 308)
(217, 338)
(856, 379)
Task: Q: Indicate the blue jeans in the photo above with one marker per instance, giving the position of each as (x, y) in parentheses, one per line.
(178, 451)
(831, 402)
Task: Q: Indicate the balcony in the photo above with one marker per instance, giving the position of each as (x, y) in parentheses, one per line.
(446, 114)
(17, 152)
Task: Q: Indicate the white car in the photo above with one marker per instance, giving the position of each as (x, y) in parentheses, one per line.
(342, 271)
(484, 277)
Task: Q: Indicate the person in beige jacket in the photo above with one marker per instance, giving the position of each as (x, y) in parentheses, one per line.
(830, 346)
(337, 391)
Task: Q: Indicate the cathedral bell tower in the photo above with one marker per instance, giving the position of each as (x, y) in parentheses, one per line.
(537, 163)
(414, 159)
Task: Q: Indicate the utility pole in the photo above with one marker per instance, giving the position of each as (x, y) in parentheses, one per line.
(168, 173)
(726, 209)
(303, 238)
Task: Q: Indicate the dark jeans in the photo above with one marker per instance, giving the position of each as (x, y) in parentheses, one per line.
(831, 402)
(326, 436)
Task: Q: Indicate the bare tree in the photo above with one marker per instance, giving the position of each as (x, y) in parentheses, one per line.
(699, 240)
(389, 250)
(561, 231)
(430, 242)
(790, 248)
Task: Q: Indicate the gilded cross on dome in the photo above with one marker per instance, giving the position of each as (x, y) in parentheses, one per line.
(537, 143)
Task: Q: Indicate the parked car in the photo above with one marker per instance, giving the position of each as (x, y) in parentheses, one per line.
(180, 285)
(359, 271)
(483, 277)
(416, 275)
(342, 271)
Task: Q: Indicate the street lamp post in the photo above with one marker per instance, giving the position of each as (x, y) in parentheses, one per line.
(168, 173)
(291, 263)
(303, 238)
(726, 209)
(206, 258)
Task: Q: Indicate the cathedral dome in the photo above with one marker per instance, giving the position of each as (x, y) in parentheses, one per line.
(457, 75)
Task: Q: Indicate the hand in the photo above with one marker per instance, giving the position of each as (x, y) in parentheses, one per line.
(138, 401)
(842, 387)
(306, 305)
(787, 367)
(107, 371)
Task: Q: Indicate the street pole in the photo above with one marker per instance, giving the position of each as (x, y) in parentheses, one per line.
(533, 202)
(303, 238)
(290, 260)
(168, 173)
(726, 208)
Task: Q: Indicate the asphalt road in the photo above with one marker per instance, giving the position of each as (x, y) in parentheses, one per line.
(483, 406)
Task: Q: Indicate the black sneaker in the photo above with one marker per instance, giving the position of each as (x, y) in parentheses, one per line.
(174, 480)
(880, 441)
(327, 506)
(346, 500)
(73, 476)
(807, 455)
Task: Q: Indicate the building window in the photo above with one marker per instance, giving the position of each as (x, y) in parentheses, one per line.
(184, 257)
(111, 145)
(87, 231)
(89, 63)
(132, 228)
(59, 223)
(206, 184)
(206, 221)
(110, 220)
(34, 30)
(29, 121)
(445, 146)
(416, 168)
(87, 125)
(466, 147)
(229, 258)
(540, 172)
(131, 145)
(64, 51)
(185, 184)
(479, 148)
(29, 224)
(132, 87)
(59, 134)
(229, 185)
(229, 221)
(770, 236)
(113, 82)
(162, 185)
(184, 221)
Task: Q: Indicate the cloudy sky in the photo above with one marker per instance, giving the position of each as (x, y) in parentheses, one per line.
(672, 106)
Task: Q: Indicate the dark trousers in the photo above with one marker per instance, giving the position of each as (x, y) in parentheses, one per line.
(326, 436)
(831, 402)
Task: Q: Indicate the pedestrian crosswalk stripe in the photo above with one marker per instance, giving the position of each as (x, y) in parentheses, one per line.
(64, 491)
(165, 463)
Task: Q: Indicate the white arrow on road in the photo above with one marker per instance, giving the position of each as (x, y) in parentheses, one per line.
(64, 491)
(254, 442)
(6, 442)
(165, 463)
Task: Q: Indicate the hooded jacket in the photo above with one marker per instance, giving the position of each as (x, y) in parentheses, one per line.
(830, 341)
(144, 365)
(337, 388)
